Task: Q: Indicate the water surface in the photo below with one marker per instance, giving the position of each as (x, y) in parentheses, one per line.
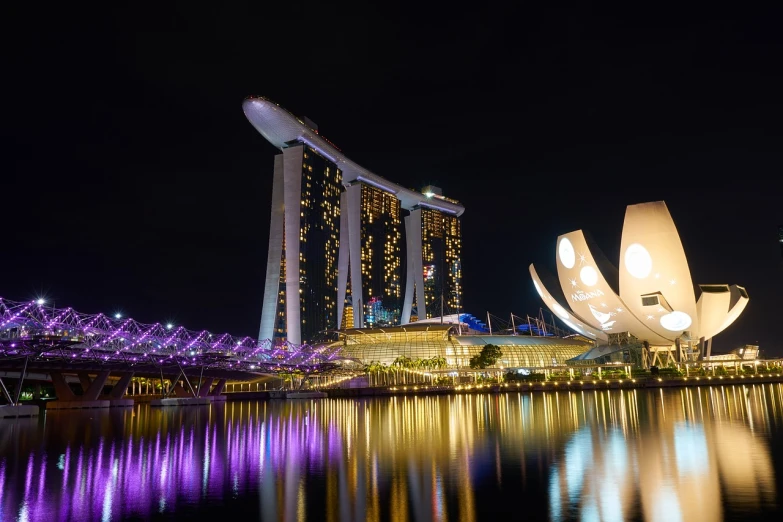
(696, 454)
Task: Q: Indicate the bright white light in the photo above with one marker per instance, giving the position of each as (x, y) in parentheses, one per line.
(192, 352)
(117, 315)
(573, 326)
(566, 252)
(429, 194)
(588, 275)
(252, 366)
(538, 289)
(169, 326)
(676, 321)
(638, 261)
(559, 310)
(41, 301)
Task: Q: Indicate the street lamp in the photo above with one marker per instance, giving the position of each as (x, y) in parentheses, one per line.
(117, 315)
(169, 326)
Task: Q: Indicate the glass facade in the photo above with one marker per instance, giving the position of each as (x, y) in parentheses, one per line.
(280, 332)
(441, 248)
(424, 342)
(381, 257)
(319, 232)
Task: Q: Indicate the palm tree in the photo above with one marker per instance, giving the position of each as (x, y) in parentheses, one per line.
(399, 363)
(427, 365)
(375, 368)
(368, 371)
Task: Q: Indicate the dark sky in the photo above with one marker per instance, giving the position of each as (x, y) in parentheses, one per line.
(133, 181)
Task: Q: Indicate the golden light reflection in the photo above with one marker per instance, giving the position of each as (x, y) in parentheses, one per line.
(694, 456)
(686, 454)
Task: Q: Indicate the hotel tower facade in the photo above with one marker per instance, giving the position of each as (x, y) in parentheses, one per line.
(342, 234)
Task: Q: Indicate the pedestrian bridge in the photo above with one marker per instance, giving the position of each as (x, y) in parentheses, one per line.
(35, 337)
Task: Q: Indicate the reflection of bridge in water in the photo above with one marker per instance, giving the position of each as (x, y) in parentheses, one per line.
(37, 337)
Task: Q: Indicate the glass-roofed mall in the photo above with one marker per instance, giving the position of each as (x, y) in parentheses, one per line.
(434, 340)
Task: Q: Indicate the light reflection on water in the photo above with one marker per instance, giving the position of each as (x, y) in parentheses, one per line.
(690, 454)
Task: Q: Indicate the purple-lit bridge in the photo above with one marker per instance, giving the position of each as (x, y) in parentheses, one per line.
(58, 342)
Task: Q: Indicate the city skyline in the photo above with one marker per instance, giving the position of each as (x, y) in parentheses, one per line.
(147, 193)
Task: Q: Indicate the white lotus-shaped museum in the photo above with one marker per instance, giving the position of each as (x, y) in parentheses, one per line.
(656, 299)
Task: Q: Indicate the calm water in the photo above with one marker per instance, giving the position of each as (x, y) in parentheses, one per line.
(698, 454)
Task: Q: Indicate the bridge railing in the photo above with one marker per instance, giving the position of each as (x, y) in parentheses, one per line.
(37, 328)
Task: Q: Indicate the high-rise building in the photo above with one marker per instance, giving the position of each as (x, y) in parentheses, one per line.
(437, 281)
(441, 242)
(301, 282)
(371, 255)
(336, 244)
(381, 257)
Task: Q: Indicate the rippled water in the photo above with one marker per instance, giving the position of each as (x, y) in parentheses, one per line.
(697, 454)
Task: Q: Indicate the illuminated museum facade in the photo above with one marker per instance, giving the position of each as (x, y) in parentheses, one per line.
(650, 298)
(346, 243)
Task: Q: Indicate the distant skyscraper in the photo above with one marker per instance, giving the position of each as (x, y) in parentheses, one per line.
(336, 242)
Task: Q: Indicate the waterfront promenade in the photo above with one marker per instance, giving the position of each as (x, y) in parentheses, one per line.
(504, 387)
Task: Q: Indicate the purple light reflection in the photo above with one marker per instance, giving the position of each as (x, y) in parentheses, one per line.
(151, 462)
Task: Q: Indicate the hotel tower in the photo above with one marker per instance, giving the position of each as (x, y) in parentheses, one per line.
(342, 239)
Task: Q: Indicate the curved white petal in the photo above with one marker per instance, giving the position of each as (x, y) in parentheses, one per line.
(652, 261)
(739, 300)
(593, 298)
(573, 321)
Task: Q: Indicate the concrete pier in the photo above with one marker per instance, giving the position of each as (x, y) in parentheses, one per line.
(274, 394)
(550, 386)
(182, 401)
(121, 403)
(25, 410)
(76, 405)
(306, 395)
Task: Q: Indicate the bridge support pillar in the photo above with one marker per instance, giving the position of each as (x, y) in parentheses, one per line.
(61, 388)
(179, 391)
(206, 384)
(36, 391)
(121, 387)
(94, 387)
(218, 389)
(85, 380)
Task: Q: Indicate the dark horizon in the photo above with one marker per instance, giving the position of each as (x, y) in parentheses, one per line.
(137, 185)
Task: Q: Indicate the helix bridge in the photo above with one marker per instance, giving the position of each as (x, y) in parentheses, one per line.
(49, 337)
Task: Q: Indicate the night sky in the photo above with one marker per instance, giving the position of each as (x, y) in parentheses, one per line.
(134, 183)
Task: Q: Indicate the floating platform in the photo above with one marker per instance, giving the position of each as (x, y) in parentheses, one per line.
(12, 412)
(76, 405)
(182, 401)
(121, 403)
(306, 395)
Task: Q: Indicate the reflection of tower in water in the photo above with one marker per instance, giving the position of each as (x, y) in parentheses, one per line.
(689, 462)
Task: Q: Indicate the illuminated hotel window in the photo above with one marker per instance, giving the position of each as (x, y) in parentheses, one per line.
(441, 252)
(318, 230)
